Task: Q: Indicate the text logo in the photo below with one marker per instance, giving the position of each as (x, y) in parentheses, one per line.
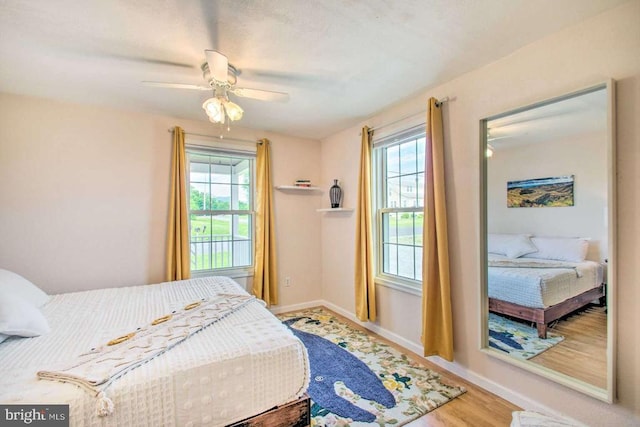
(34, 415)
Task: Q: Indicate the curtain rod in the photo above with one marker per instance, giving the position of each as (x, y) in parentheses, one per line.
(217, 137)
(439, 102)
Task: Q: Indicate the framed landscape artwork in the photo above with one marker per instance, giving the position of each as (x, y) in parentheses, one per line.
(540, 192)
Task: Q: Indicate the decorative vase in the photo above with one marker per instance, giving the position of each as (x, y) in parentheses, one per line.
(335, 194)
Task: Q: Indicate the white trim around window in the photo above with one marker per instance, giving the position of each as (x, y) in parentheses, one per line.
(398, 187)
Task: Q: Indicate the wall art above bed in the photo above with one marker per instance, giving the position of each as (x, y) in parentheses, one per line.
(540, 192)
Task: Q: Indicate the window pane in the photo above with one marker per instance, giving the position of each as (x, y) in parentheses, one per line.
(221, 226)
(421, 143)
(220, 197)
(420, 190)
(408, 157)
(240, 197)
(392, 161)
(418, 220)
(405, 228)
(406, 262)
(418, 262)
(221, 241)
(198, 197)
(198, 171)
(390, 259)
(393, 193)
(220, 170)
(408, 193)
(242, 249)
(200, 242)
(241, 171)
(242, 227)
(389, 228)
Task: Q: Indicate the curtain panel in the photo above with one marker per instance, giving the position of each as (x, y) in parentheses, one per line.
(265, 278)
(437, 331)
(365, 286)
(177, 260)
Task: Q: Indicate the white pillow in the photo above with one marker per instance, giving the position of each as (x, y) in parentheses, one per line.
(510, 245)
(572, 249)
(19, 317)
(14, 284)
(3, 337)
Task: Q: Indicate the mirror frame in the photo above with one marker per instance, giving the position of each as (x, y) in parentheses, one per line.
(608, 394)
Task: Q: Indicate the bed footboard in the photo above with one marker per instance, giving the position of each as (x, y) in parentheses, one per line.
(543, 316)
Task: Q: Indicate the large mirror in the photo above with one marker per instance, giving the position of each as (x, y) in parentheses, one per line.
(548, 238)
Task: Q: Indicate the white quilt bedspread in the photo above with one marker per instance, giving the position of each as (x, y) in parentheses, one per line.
(541, 287)
(246, 363)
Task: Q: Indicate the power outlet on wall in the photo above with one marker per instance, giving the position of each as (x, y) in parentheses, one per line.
(287, 282)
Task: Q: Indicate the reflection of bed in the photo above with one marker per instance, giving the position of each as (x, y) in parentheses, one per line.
(540, 290)
(243, 364)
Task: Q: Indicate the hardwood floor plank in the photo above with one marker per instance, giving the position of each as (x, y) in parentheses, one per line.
(583, 353)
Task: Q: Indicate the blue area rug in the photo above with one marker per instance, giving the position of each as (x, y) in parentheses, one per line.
(357, 380)
(518, 339)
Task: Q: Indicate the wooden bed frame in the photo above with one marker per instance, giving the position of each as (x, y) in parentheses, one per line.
(543, 316)
(292, 414)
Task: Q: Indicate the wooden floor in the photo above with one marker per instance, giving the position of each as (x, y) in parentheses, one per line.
(477, 407)
(583, 353)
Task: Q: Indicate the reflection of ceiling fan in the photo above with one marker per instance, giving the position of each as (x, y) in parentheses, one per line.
(221, 77)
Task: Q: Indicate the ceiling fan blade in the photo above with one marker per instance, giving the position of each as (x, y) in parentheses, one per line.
(218, 65)
(176, 85)
(262, 95)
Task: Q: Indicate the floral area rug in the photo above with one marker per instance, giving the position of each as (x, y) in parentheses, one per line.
(357, 380)
(518, 339)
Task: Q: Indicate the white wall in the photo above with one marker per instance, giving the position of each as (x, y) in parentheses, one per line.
(605, 46)
(84, 195)
(584, 157)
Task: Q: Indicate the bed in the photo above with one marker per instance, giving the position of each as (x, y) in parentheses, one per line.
(542, 282)
(246, 364)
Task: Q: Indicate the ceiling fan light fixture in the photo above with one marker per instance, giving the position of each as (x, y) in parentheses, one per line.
(234, 112)
(214, 109)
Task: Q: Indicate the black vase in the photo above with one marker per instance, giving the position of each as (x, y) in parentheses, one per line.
(335, 194)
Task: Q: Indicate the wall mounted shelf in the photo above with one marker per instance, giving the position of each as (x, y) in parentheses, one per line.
(335, 210)
(296, 188)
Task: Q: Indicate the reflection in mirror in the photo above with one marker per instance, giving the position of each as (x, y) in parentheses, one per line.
(549, 238)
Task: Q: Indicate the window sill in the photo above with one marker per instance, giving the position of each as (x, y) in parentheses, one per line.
(233, 273)
(398, 286)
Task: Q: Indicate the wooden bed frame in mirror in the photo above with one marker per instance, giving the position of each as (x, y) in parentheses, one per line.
(543, 316)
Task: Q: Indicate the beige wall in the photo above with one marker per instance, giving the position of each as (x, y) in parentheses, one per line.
(606, 46)
(84, 196)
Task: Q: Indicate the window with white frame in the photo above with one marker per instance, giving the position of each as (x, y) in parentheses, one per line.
(220, 190)
(399, 163)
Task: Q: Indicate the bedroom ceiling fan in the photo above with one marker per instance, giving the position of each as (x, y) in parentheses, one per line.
(221, 78)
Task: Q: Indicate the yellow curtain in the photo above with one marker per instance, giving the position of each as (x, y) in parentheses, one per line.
(364, 284)
(437, 333)
(178, 263)
(265, 278)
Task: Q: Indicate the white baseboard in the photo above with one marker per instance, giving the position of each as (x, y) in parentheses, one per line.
(296, 307)
(453, 367)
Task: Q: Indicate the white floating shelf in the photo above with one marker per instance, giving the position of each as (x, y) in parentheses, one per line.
(296, 188)
(335, 210)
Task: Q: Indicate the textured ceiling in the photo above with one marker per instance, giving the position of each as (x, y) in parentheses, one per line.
(341, 61)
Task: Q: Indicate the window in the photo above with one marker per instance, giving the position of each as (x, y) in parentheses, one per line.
(398, 204)
(220, 209)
